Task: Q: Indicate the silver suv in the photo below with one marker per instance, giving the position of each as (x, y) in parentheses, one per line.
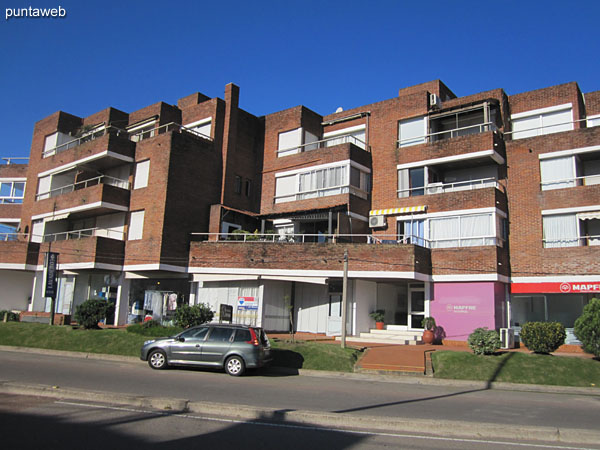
(232, 347)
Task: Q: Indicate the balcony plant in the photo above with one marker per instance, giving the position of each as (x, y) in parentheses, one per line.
(378, 316)
(428, 323)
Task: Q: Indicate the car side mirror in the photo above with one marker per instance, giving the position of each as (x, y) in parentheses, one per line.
(181, 339)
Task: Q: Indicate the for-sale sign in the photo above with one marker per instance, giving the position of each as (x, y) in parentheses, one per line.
(247, 303)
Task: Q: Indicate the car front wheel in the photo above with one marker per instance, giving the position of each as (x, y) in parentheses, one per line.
(235, 366)
(157, 360)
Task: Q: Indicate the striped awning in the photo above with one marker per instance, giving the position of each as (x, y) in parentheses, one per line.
(390, 211)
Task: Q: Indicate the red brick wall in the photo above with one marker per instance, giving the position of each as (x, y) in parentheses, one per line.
(592, 103)
(526, 200)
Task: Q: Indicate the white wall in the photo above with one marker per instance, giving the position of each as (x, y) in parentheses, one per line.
(16, 289)
(38, 302)
(365, 300)
(122, 306)
(387, 295)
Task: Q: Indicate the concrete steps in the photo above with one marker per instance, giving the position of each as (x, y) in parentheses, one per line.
(390, 335)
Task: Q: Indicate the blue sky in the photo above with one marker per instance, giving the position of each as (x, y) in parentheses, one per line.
(322, 54)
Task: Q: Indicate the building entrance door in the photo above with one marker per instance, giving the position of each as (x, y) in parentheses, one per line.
(416, 307)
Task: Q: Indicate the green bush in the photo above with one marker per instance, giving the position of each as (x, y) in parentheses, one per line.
(483, 341)
(587, 327)
(188, 316)
(543, 337)
(92, 311)
(10, 316)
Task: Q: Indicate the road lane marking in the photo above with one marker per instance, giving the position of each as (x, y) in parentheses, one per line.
(315, 428)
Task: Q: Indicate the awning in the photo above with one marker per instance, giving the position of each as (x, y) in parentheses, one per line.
(589, 215)
(390, 211)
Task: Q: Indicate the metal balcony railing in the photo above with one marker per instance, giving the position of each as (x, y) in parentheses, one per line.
(102, 179)
(441, 188)
(329, 142)
(81, 140)
(172, 126)
(580, 241)
(84, 233)
(586, 180)
(437, 136)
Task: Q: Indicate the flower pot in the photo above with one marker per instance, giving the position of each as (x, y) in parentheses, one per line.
(428, 337)
(379, 325)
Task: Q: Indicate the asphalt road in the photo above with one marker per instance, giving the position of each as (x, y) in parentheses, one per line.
(59, 424)
(328, 394)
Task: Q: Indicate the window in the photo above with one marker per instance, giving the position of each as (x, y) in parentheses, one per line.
(203, 127)
(136, 225)
(57, 142)
(542, 121)
(412, 231)
(593, 121)
(143, 130)
(321, 182)
(248, 188)
(462, 231)
(354, 135)
(8, 231)
(237, 187)
(195, 333)
(220, 334)
(575, 169)
(289, 142)
(242, 336)
(463, 122)
(412, 131)
(571, 230)
(411, 182)
(12, 191)
(142, 170)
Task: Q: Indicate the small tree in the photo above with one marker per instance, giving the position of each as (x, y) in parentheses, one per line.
(188, 316)
(587, 327)
(543, 337)
(483, 341)
(90, 312)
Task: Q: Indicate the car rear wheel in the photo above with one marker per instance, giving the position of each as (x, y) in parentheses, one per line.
(235, 366)
(157, 360)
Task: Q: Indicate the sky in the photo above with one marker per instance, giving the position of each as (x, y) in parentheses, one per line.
(322, 54)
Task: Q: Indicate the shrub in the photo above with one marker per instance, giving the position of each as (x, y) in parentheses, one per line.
(587, 327)
(10, 316)
(188, 316)
(378, 315)
(92, 311)
(483, 341)
(543, 337)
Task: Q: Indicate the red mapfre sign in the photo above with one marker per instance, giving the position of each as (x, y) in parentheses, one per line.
(555, 288)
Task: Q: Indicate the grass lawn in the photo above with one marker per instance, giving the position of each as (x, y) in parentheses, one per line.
(516, 367)
(305, 355)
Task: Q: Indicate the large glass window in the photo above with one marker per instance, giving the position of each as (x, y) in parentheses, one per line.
(412, 131)
(544, 121)
(12, 191)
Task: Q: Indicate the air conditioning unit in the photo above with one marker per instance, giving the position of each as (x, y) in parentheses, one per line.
(507, 338)
(434, 188)
(435, 102)
(376, 221)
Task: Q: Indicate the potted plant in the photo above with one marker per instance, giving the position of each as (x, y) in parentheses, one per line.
(378, 316)
(428, 324)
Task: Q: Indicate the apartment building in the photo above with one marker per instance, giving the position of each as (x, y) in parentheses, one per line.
(482, 210)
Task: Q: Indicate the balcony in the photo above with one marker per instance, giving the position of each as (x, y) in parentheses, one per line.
(100, 198)
(442, 188)
(108, 148)
(289, 253)
(102, 179)
(151, 131)
(84, 246)
(324, 143)
(16, 250)
(84, 233)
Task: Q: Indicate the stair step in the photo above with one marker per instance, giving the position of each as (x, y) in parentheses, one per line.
(389, 336)
(381, 341)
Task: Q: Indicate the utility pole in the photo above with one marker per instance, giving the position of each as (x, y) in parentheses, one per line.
(344, 298)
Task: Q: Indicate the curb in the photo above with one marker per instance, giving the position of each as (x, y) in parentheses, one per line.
(385, 377)
(440, 428)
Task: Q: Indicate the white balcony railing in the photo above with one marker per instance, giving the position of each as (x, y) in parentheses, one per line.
(580, 241)
(586, 180)
(437, 136)
(172, 126)
(329, 142)
(84, 233)
(102, 179)
(81, 140)
(440, 188)
(322, 192)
